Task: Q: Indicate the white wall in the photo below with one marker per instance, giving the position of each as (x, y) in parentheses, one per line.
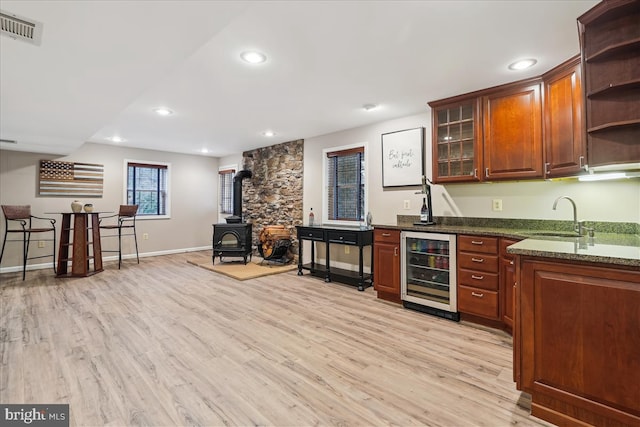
(193, 186)
(612, 201)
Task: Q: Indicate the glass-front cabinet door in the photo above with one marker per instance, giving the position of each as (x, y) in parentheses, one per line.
(456, 154)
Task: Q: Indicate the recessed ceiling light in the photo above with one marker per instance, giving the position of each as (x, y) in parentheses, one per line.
(253, 57)
(116, 139)
(370, 107)
(161, 111)
(522, 64)
(269, 133)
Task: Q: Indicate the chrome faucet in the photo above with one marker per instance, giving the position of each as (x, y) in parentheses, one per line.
(578, 226)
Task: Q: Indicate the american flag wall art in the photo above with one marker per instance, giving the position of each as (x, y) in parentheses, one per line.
(70, 179)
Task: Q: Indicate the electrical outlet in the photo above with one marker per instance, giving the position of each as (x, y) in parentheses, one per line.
(496, 205)
(347, 250)
(40, 244)
(145, 236)
(407, 204)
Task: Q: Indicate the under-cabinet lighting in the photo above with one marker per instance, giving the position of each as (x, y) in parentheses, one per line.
(608, 176)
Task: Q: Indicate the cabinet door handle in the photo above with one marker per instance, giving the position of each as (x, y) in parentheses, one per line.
(477, 259)
(475, 172)
(473, 276)
(486, 172)
(582, 162)
(395, 251)
(477, 242)
(479, 295)
(546, 169)
(386, 234)
(511, 262)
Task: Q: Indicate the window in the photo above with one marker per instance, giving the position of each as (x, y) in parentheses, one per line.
(147, 187)
(345, 181)
(226, 189)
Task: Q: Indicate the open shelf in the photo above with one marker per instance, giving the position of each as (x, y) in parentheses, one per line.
(613, 88)
(613, 125)
(616, 49)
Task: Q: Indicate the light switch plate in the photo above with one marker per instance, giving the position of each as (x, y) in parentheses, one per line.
(407, 204)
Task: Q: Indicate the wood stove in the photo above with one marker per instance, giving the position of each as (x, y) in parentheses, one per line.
(232, 240)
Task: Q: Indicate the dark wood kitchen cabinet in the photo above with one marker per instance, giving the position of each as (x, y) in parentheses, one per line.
(512, 130)
(577, 341)
(386, 261)
(507, 283)
(610, 44)
(457, 136)
(478, 278)
(565, 147)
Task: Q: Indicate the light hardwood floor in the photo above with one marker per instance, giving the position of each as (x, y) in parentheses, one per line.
(168, 343)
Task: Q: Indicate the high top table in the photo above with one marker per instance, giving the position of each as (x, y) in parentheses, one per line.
(85, 244)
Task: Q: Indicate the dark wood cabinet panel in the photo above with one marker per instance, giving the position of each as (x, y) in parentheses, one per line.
(577, 343)
(507, 283)
(386, 261)
(513, 133)
(564, 140)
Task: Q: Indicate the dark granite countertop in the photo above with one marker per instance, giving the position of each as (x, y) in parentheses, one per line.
(616, 243)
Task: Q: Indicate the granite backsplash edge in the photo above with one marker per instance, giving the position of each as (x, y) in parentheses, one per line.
(525, 224)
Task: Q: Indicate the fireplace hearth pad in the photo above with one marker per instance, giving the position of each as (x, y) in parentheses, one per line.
(232, 240)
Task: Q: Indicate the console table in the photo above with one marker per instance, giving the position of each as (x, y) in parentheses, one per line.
(352, 236)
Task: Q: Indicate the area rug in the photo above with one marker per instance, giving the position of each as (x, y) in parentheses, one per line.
(238, 270)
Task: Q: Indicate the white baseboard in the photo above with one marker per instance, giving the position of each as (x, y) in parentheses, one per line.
(18, 268)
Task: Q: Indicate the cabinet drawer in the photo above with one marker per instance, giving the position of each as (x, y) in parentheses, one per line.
(478, 301)
(311, 234)
(344, 237)
(478, 262)
(478, 279)
(486, 245)
(385, 235)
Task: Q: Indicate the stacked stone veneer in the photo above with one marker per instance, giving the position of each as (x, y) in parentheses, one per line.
(273, 196)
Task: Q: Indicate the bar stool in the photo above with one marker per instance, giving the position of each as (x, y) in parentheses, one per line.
(126, 220)
(22, 214)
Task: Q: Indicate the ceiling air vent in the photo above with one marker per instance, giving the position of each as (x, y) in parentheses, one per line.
(20, 28)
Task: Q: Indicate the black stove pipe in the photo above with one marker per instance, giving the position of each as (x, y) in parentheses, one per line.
(237, 196)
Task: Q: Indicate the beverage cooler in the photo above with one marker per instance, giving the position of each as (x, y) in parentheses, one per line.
(428, 272)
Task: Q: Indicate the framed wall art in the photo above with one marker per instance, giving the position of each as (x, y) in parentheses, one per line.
(403, 158)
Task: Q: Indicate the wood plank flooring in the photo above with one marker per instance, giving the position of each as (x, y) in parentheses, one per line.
(167, 343)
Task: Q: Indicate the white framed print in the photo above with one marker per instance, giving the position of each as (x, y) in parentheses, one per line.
(403, 158)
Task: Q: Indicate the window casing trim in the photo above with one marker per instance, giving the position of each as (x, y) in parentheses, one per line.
(331, 152)
(149, 163)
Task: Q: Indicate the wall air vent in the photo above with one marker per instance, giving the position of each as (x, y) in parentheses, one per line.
(20, 28)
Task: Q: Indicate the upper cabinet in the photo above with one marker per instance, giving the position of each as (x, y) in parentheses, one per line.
(610, 44)
(523, 130)
(563, 130)
(456, 152)
(512, 130)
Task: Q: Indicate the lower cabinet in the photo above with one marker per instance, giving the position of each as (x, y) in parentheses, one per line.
(507, 282)
(386, 264)
(478, 279)
(577, 341)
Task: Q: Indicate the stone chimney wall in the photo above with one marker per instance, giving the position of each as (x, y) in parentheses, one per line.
(273, 196)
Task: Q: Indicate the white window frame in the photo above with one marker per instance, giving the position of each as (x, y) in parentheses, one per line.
(125, 182)
(325, 184)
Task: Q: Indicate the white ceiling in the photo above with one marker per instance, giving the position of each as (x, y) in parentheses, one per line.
(103, 66)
